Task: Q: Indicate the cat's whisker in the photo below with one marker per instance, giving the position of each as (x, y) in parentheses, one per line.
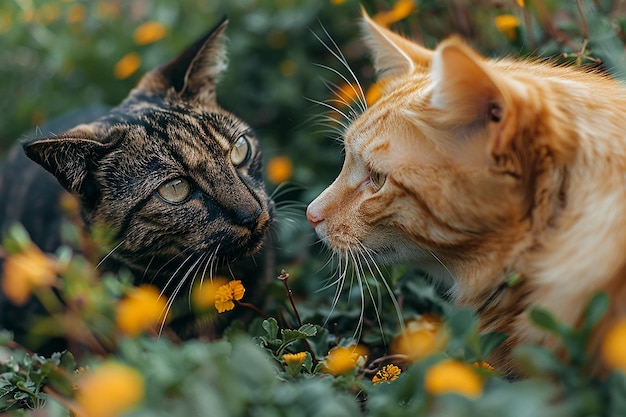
(110, 253)
(334, 109)
(385, 283)
(169, 281)
(336, 52)
(170, 301)
(335, 89)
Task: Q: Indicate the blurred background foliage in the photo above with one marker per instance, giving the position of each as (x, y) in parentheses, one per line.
(61, 55)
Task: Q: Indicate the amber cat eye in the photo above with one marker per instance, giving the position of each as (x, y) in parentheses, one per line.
(240, 152)
(377, 179)
(175, 191)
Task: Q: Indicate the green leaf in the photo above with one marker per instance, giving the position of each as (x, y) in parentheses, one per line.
(536, 360)
(545, 320)
(271, 327)
(309, 329)
(596, 309)
(487, 342)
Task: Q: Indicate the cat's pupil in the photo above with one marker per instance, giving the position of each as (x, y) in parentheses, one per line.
(240, 152)
(175, 191)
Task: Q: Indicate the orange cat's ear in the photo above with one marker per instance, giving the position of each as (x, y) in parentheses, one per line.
(393, 54)
(463, 85)
(469, 94)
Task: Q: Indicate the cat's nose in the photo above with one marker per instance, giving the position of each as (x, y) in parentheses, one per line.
(313, 216)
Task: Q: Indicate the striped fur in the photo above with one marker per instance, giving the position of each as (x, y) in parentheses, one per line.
(491, 167)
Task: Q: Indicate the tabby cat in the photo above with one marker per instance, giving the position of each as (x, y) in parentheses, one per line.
(175, 178)
(492, 168)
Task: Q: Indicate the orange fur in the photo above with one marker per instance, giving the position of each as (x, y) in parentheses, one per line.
(492, 166)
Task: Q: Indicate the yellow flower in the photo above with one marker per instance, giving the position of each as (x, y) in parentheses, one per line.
(483, 365)
(110, 390)
(76, 13)
(373, 93)
(141, 310)
(453, 376)
(234, 290)
(149, 32)
(127, 66)
(294, 362)
(337, 2)
(614, 346)
(520, 2)
(507, 24)
(421, 338)
(25, 271)
(294, 358)
(279, 169)
(387, 374)
(204, 293)
(400, 10)
(342, 359)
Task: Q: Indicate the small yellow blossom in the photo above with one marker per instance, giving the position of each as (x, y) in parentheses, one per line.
(507, 24)
(6, 22)
(127, 66)
(421, 338)
(337, 2)
(520, 2)
(294, 358)
(279, 169)
(234, 290)
(400, 10)
(149, 32)
(287, 67)
(141, 310)
(204, 293)
(76, 13)
(110, 390)
(614, 346)
(373, 93)
(483, 365)
(387, 374)
(453, 376)
(348, 93)
(26, 271)
(342, 359)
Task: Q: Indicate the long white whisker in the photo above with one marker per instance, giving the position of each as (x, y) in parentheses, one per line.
(110, 253)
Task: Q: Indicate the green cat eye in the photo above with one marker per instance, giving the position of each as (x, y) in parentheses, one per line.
(175, 191)
(240, 152)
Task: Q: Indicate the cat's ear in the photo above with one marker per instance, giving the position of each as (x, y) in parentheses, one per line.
(393, 54)
(194, 73)
(468, 93)
(69, 156)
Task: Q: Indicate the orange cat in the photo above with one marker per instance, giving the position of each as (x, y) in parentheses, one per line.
(491, 167)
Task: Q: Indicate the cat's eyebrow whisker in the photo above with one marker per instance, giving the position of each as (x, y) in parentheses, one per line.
(342, 59)
(335, 89)
(332, 108)
(110, 253)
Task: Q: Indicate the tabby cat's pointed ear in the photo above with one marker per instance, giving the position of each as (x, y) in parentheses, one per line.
(393, 54)
(464, 88)
(194, 73)
(68, 157)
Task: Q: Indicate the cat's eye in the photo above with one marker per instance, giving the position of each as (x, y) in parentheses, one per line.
(377, 179)
(175, 191)
(240, 152)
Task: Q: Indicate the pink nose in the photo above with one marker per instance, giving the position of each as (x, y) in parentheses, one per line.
(313, 217)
